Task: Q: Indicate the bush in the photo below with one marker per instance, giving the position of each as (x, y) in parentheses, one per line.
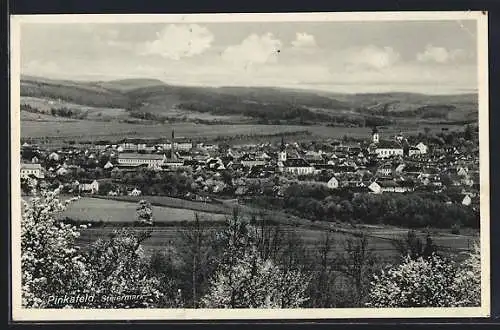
(455, 229)
(431, 282)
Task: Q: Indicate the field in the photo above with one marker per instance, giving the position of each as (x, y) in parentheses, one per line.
(172, 220)
(175, 203)
(89, 112)
(97, 130)
(95, 209)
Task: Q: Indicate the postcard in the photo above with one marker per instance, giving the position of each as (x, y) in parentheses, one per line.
(250, 166)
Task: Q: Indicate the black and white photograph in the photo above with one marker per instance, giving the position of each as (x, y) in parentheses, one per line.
(241, 166)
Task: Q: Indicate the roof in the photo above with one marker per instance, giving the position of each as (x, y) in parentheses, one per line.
(387, 183)
(384, 144)
(296, 162)
(31, 166)
(140, 156)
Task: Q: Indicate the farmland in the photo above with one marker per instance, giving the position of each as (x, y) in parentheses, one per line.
(80, 130)
(109, 215)
(94, 209)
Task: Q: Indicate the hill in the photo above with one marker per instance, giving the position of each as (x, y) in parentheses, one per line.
(154, 100)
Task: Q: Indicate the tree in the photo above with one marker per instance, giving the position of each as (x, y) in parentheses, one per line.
(118, 268)
(322, 286)
(467, 284)
(413, 246)
(144, 213)
(51, 264)
(431, 282)
(356, 264)
(468, 132)
(255, 283)
(195, 252)
(244, 280)
(110, 271)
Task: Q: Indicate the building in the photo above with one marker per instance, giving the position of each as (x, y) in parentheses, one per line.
(135, 192)
(31, 170)
(333, 183)
(135, 159)
(385, 170)
(108, 165)
(91, 187)
(385, 149)
(378, 187)
(414, 151)
(250, 161)
(422, 147)
(297, 166)
(375, 135)
(282, 153)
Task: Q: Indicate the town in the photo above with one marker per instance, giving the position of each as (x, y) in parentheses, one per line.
(200, 171)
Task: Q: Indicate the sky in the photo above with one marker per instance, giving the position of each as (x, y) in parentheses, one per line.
(435, 57)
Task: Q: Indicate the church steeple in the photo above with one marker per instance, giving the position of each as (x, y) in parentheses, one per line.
(375, 136)
(282, 153)
(172, 150)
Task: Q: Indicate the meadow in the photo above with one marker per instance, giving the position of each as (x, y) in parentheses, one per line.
(172, 202)
(107, 215)
(87, 130)
(96, 210)
(89, 112)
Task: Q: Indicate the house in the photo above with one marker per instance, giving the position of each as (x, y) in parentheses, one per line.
(422, 147)
(28, 170)
(89, 187)
(414, 151)
(399, 169)
(54, 156)
(183, 145)
(135, 192)
(135, 159)
(61, 171)
(386, 149)
(172, 163)
(462, 171)
(297, 166)
(389, 186)
(375, 188)
(385, 170)
(108, 165)
(467, 200)
(333, 183)
(250, 161)
(128, 145)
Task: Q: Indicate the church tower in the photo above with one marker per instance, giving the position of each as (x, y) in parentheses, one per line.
(282, 153)
(375, 136)
(172, 150)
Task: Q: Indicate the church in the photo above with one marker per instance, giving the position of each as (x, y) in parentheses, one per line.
(297, 166)
(385, 148)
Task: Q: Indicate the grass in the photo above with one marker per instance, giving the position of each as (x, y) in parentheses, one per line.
(96, 130)
(177, 203)
(109, 215)
(96, 209)
(45, 104)
(163, 237)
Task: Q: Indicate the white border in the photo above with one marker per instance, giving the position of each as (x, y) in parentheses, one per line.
(20, 314)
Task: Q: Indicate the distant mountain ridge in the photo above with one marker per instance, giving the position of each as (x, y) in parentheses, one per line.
(155, 98)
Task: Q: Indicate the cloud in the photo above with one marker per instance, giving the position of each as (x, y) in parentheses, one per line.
(254, 49)
(440, 55)
(372, 57)
(304, 40)
(178, 41)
